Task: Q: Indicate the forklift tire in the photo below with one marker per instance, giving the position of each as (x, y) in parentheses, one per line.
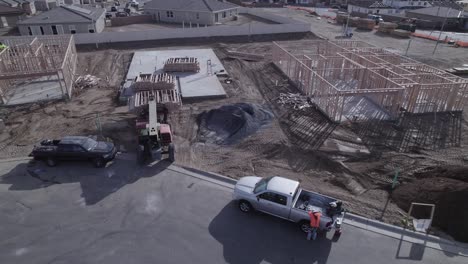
(51, 162)
(99, 162)
(171, 152)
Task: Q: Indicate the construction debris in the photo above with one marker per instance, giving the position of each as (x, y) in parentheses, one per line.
(297, 100)
(86, 81)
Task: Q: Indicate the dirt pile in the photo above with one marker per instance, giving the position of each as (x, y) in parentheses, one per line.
(449, 194)
(231, 123)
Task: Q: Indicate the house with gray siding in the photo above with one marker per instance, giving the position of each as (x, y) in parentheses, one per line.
(195, 12)
(64, 20)
(9, 16)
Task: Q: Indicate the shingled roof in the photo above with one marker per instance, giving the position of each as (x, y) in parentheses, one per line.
(190, 5)
(439, 12)
(66, 15)
(6, 10)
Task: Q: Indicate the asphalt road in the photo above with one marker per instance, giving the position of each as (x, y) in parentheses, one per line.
(125, 214)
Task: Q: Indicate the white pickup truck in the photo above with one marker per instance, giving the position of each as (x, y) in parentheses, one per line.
(284, 198)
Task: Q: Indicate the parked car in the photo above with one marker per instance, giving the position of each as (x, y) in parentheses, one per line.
(284, 198)
(376, 18)
(74, 148)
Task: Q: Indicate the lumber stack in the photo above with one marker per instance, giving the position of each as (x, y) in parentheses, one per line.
(148, 82)
(186, 64)
(401, 33)
(365, 23)
(353, 21)
(341, 18)
(387, 27)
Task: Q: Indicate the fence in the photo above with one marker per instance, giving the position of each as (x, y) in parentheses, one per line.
(122, 21)
(286, 25)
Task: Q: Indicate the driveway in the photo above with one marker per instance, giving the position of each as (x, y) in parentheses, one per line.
(75, 213)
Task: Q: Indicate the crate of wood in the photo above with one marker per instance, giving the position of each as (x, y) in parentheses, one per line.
(353, 21)
(365, 23)
(185, 64)
(387, 27)
(401, 33)
(148, 82)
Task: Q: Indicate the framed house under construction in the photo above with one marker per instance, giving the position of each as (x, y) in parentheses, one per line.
(37, 68)
(353, 80)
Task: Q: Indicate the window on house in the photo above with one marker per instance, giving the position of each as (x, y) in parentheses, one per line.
(198, 16)
(42, 30)
(30, 31)
(224, 14)
(170, 14)
(91, 29)
(72, 29)
(54, 29)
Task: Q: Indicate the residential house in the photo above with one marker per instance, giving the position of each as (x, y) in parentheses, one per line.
(9, 16)
(64, 20)
(44, 5)
(405, 4)
(195, 12)
(370, 7)
(454, 18)
(27, 5)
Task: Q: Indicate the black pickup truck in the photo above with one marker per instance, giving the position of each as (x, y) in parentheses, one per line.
(75, 148)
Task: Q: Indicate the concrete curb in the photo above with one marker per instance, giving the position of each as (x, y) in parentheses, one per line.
(206, 176)
(15, 159)
(371, 225)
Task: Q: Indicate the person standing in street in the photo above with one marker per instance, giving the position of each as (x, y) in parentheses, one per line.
(314, 224)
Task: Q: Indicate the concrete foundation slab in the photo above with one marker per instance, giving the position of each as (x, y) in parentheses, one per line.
(38, 89)
(203, 84)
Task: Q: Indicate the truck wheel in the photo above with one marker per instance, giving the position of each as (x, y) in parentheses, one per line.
(305, 226)
(99, 163)
(245, 206)
(51, 162)
(336, 236)
(171, 152)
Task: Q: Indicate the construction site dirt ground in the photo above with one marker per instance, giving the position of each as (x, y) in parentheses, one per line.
(299, 144)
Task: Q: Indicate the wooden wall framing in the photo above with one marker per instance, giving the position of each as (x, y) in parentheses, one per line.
(392, 82)
(26, 58)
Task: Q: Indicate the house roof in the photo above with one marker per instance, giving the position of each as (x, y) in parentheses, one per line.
(8, 2)
(370, 4)
(438, 12)
(66, 15)
(190, 5)
(7, 10)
